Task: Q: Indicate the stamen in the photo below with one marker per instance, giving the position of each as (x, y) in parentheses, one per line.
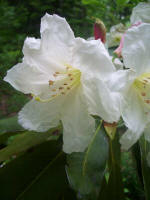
(69, 78)
(143, 94)
(60, 88)
(147, 101)
(51, 82)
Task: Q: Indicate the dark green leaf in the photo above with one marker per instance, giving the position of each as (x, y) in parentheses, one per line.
(114, 190)
(24, 141)
(38, 174)
(137, 160)
(145, 149)
(85, 170)
(9, 125)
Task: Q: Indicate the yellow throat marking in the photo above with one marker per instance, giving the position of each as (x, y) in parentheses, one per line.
(142, 86)
(63, 83)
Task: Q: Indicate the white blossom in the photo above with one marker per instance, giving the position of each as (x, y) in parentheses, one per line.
(135, 84)
(67, 79)
(141, 13)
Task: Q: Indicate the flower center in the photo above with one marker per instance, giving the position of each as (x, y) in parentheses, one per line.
(142, 86)
(63, 83)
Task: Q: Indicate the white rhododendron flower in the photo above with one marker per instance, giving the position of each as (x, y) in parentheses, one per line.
(134, 84)
(114, 36)
(141, 13)
(66, 77)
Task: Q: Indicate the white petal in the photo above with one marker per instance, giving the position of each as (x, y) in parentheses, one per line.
(91, 57)
(134, 117)
(129, 138)
(118, 64)
(136, 49)
(141, 13)
(133, 112)
(101, 101)
(35, 55)
(57, 38)
(27, 79)
(78, 125)
(39, 116)
(121, 80)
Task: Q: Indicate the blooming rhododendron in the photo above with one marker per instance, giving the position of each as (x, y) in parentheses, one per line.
(66, 77)
(135, 84)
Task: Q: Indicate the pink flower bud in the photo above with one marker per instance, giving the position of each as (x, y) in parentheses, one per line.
(99, 30)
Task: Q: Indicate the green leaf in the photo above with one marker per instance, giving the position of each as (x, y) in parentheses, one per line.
(114, 188)
(24, 141)
(85, 170)
(136, 153)
(10, 125)
(145, 149)
(38, 174)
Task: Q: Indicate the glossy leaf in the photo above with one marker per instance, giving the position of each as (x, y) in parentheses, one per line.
(24, 141)
(10, 125)
(137, 160)
(85, 170)
(38, 174)
(114, 190)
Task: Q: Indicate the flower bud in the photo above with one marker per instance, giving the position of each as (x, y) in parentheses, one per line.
(99, 30)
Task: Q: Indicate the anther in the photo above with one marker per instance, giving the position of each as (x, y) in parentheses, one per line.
(60, 88)
(57, 73)
(147, 101)
(69, 74)
(68, 88)
(65, 84)
(62, 93)
(51, 82)
(54, 90)
(143, 94)
(54, 95)
(71, 79)
(67, 67)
